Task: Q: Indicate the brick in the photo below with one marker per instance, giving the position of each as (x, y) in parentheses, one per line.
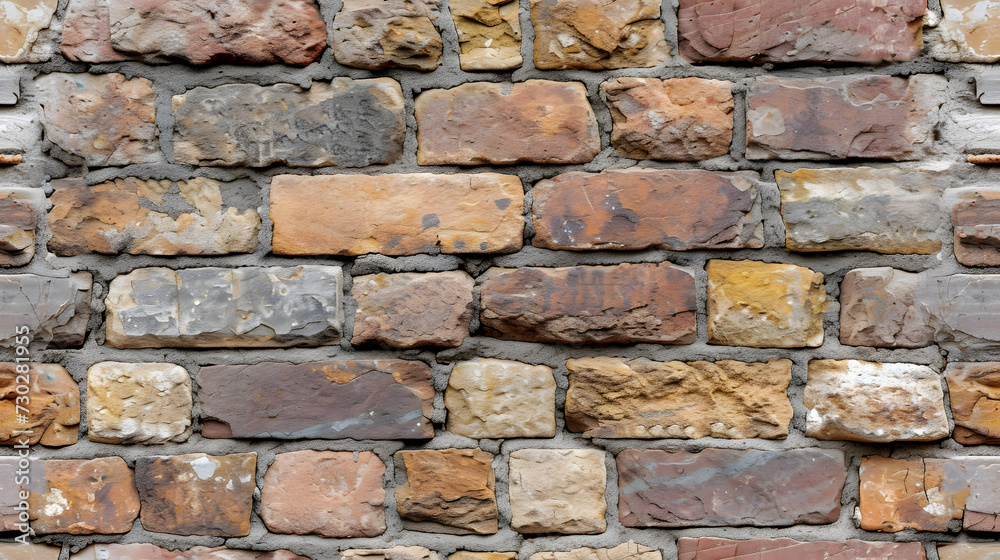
(153, 552)
(974, 391)
(408, 310)
(382, 34)
(447, 491)
(874, 402)
(197, 494)
(683, 119)
(19, 209)
(394, 553)
(536, 121)
(489, 398)
(760, 31)
(53, 405)
(55, 309)
(14, 509)
(885, 210)
(110, 218)
(221, 307)
(558, 491)
(712, 548)
(982, 510)
(976, 225)
(878, 307)
(760, 304)
(961, 311)
(964, 551)
(326, 493)
(384, 399)
(87, 33)
(100, 119)
(623, 551)
(347, 123)
(20, 24)
(618, 398)
(598, 35)
(875, 117)
(469, 555)
(84, 497)
(621, 304)
(20, 131)
(968, 32)
(762, 488)
(489, 34)
(18, 551)
(397, 214)
(138, 403)
(640, 209)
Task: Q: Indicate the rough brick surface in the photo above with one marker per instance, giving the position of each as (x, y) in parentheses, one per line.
(626, 550)
(876, 117)
(20, 23)
(621, 304)
(55, 309)
(878, 308)
(403, 214)
(967, 32)
(18, 551)
(962, 551)
(638, 208)
(87, 33)
(53, 405)
(712, 548)
(974, 391)
(680, 119)
(152, 552)
(822, 32)
(557, 491)
(326, 493)
(138, 403)
(976, 224)
(763, 489)
(534, 121)
(211, 307)
(384, 399)
(83, 497)
(394, 553)
(617, 398)
(19, 209)
(489, 398)
(347, 123)
(447, 491)
(197, 494)
(489, 34)
(377, 34)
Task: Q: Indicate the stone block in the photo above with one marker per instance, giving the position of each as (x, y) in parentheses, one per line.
(19, 210)
(624, 551)
(53, 405)
(55, 309)
(976, 225)
(558, 491)
(974, 391)
(18, 551)
(447, 491)
(879, 307)
(152, 552)
(83, 497)
(20, 24)
(394, 553)
(138, 403)
(968, 32)
(966, 551)
(489, 34)
(489, 398)
(712, 548)
(378, 34)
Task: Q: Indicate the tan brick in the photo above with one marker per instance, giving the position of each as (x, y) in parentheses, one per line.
(488, 398)
(627, 550)
(447, 491)
(152, 552)
(53, 405)
(968, 32)
(558, 491)
(489, 34)
(378, 34)
(138, 403)
(19, 210)
(20, 24)
(974, 391)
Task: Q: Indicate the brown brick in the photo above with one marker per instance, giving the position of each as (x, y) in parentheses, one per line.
(447, 491)
(197, 494)
(830, 31)
(878, 307)
(683, 489)
(489, 34)
(387, 34)
(621, 304)
(877, 117)
(408, 310)
(682, 119)
(711, 548)
(326, 493)
(974, 391)
(19, 209)
(53, 404)
(976, 225)
(402, 214)
(83, 497)
(632, 209)
(536, 121)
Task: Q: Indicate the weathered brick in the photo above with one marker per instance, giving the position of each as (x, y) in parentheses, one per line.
(83, 497)
(874, 402)
(100, 119)
(961, 308)
(598, 35)
(110, 218)
(974, 391)
(682, 119)
(326, 493)
(470, 555)
(197, 494)
(982, 509)
(447, 491)
(384, 399)
(347, 123)
(558, 491)
(87, 33)
(402, 214)
(20, 23)
(759, 31)
(536, 121)
(408, 310)
(761, 488)
(925, 494)
(674, 209)
(14, 509)
(976, 224)
(626, 550)
(220, 307)
(968, 32)
(19, 209)
(489, 398)
(617, 398)
(152, 552)
(394, 553)
(53, 403)
(877, 117)
(712, 548)
(18, 551)
(55, 309)
(878, 307)
(760, 304)
(886, 210)
(621, 304)
(377, 34)
(964, 551)
(489, 34)
(138, 403)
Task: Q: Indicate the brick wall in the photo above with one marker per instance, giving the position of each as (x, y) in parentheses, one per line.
(557, 280)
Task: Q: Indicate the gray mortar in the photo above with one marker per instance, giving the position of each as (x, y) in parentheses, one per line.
(169, 80)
